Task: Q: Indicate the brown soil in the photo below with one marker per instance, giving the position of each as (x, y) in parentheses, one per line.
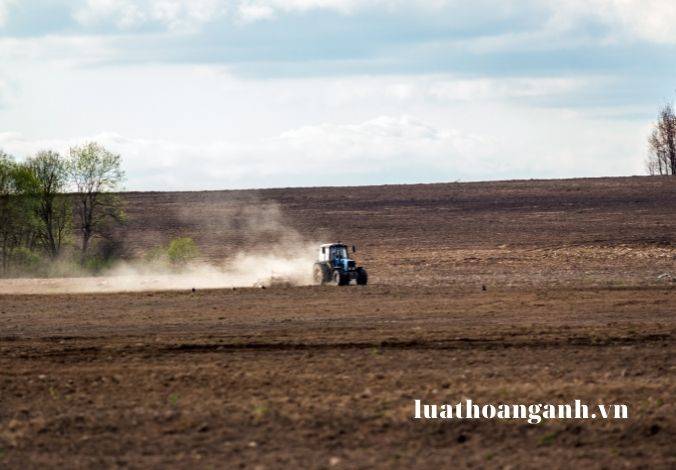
(575, 306)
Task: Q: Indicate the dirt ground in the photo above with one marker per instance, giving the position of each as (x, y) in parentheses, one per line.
(510, 292)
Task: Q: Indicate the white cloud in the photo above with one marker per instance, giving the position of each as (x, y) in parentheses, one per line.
(391, 140)
(253, 12)
(4, 9)
(186, 14)
(55, 52)
(4, 92)
(648, 20)
(174, 14)
(644, 20)
(123, 13)
(343, 6)
(446, 89)
(178, 14)
(324, 153)
(651, 20)
(495, 89)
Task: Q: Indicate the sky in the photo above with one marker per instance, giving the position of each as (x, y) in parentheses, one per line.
(219, 94)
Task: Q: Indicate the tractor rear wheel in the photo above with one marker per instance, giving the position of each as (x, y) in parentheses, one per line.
(362, 277)
(321, 274)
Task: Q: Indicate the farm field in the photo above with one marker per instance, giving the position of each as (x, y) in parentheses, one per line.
(501, 292)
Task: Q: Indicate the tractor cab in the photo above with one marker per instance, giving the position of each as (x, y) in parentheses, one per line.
(333, 253)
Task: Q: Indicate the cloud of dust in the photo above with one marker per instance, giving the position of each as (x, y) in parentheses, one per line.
(285, 262)
(282, 265)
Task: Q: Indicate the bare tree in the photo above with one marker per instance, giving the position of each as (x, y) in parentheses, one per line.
(50, 179)
(662, 143)
(96, 173)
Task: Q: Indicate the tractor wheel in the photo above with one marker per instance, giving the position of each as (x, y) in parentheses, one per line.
(362, 277)
(340, 279)
(321, 274)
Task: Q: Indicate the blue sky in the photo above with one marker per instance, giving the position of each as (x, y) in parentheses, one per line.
(209, 94)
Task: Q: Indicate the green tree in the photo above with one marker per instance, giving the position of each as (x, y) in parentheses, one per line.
(7, 209)
(96, 174)
(48, 181)
(17, 210)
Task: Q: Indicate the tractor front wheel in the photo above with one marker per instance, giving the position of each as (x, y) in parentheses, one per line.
(339, 279)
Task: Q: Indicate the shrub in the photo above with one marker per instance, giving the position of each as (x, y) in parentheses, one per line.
(182, 251)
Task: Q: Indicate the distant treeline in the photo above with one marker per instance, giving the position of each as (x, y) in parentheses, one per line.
(59, 208)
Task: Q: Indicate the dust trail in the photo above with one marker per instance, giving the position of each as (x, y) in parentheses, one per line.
(245, 270)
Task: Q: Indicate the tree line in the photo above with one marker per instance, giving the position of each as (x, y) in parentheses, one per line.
(54, 207)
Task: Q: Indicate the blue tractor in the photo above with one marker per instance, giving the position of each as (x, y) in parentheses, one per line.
(334, 266)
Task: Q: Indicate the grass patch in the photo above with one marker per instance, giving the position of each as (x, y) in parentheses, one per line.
(259, 411)
(173, 399)
(548, 439)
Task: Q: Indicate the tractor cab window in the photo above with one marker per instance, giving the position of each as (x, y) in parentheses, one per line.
(338, 252)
